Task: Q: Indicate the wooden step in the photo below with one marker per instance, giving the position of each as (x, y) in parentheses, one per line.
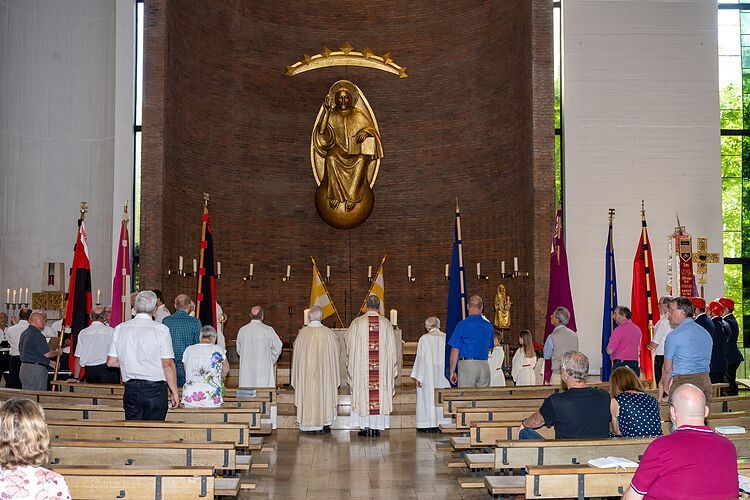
(455, 463)
(479, 460)
(505, 485)
(471, 482)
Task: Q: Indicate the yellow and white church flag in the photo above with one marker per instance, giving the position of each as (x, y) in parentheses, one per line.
(377, 288)
(319, 295)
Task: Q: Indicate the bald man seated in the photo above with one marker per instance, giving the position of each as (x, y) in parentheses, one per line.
(693, 461)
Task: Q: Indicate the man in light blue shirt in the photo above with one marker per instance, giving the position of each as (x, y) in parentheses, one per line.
(687, 351)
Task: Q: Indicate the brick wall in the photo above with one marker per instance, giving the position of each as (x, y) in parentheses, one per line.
(222, 118)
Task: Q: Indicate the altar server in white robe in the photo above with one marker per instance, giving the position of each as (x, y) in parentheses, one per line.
(496, 359)
(429, 372)
(524, 360)
(259, 348)
(315, 375)
(372, 368)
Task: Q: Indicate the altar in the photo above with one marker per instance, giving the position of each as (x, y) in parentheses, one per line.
(344, 354)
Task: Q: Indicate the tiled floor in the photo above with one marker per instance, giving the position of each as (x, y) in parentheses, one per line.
(399, 464)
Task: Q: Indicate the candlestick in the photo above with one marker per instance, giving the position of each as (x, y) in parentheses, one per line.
(394, 317)
(447, 271)
(408, 271)
(251, 269)
(250, 274)
(98, 296)
(307, 317)
(20, 294)
(27, 296)
(479, 268)
(328, 271)
(515, 264)
(195, 267)
(288, 270)
(180, 266)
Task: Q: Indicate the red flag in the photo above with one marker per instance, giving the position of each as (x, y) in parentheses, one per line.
(79, 291)
(206, 297)
(559, 287)
(644, 303)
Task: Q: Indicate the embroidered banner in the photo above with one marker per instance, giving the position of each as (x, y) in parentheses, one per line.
(684, 244)
(374, 365)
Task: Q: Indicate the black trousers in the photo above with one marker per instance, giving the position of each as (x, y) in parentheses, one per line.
(14, 376)
(4, 365)
(633, 365)
(145, 400)
(732, 390)
(717, 377)
(658, 365)
(101, 374)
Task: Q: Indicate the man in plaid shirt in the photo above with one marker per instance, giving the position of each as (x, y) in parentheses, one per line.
(185, 331)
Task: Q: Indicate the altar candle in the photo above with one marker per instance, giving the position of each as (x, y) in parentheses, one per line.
(515, 264)
(447, 270)
(180, 264)
(394, 317)
(502, 267)
(479, 268)
(14, 296)
(369, 271)
(288, 270)
(251, 269)
(218, 267)
(20, 294)
(98, 296)
(7, 295)
(408, 270)
(195, 265)
(307, 317)
(328, 271)
(27, 296)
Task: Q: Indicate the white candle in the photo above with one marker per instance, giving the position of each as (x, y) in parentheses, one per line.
(394, 317)
(195, 265)
(408, 271)
(307, 317)
(479, 268)
(7, 295)
(515, 264)
(288, 270)
(218, 267)
(328, 271)
(447, 270)
(251, 269)
(14, 296)
(98, 296)
(180, 264)
(20, 294)
(369, 271)
(27, 296)
(502, 267)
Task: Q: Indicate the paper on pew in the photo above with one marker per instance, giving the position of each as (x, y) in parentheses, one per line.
(744, 483)
(730, 429)
(245, 393)
(611, 462)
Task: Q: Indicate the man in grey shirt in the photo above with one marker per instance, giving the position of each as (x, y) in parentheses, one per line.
(35, 354)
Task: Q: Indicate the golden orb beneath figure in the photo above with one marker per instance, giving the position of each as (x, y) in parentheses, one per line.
(338, 217)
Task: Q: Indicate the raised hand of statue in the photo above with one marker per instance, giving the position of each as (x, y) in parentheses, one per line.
(329, 102)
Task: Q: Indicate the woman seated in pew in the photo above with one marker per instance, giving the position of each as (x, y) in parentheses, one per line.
(634, 413)
(524, 360)
(206, 366)
(24, 448)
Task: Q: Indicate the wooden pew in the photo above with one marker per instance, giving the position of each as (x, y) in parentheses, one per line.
(539, 391)
(237, 433)
(219, 455)
(139, 483)
(84, 388)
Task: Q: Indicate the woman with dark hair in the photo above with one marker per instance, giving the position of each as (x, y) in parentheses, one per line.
(24, 449)
(634, 413)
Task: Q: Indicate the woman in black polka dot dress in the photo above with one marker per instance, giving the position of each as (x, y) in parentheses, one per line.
(634, 413)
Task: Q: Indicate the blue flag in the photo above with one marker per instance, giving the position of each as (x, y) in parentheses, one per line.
(610, 303)
(456, 291)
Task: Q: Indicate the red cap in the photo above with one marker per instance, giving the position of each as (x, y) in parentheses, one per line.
(716, 307)
(698, 302)
(727, 303)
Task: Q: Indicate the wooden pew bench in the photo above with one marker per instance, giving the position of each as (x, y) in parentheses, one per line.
(268, 393)
(139, 483)
(538, 391)
(236, 433)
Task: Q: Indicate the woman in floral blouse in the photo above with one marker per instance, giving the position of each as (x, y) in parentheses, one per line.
(205, 368)
(24, 448)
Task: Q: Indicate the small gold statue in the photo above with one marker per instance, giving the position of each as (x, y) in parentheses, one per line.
(345, 154)
(502, 308)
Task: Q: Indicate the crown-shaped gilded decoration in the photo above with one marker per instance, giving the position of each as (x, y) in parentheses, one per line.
(347, 56)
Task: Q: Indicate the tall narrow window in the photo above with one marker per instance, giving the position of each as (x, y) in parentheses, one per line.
(558, 101)
(137, 130)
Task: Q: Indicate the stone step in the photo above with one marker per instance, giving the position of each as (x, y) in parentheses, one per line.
(343, 422)
(403, 396)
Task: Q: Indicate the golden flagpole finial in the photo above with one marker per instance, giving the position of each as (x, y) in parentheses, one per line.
(643, 209)
(206, 197)
(611, 214)
(84, 209)
(126, 206)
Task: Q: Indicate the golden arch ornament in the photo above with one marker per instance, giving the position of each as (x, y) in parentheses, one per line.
(345, 153)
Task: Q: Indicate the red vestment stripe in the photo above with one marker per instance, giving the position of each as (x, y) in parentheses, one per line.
(374, 364)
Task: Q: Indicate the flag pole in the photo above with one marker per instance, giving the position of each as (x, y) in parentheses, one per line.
(317, 271)
(460, 262)
(202, 250)
(611, 269)
(646, 246)
(380, 268)
(61, 337)
(124, 268)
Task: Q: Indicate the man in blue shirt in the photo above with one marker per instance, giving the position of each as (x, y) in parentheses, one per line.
(687, 351)
(471, 342)
(185, 331)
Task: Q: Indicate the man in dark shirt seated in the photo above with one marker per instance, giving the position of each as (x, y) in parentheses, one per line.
(580, 412)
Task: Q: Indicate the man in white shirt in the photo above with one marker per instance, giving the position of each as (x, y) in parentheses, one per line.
(259, 348)
(91, 351)
(4, 347)
(13, 334)
(661, 330)
(142, 349)
(161, 310)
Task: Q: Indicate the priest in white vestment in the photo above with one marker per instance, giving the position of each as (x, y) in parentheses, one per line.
(496, 359)
(315, 375)
(372, 368)
(429, 372)
(259, 348)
